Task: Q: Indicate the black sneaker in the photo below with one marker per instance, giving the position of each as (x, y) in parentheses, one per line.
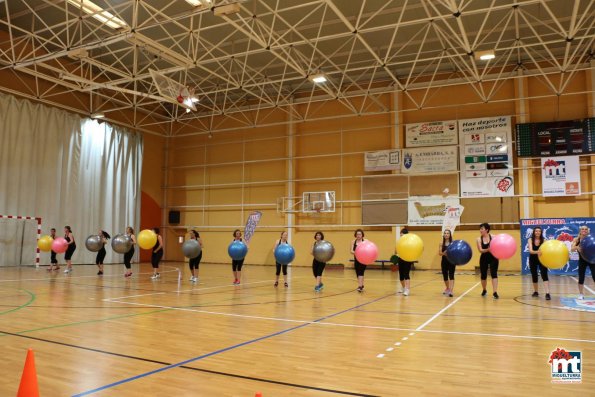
(484, 292)
(360, 289)
(535, 294)
(496, 295)
(100, 273)
(548, 297)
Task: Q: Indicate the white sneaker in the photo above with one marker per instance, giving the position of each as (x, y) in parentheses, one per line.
(155, 276)
(191, 278)
(406, 292)
(196, 279)
(581, 297)
(67, 270)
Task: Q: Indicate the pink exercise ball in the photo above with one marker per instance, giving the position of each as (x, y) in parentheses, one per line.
(503, 246)
(59, 245)
(366, 252)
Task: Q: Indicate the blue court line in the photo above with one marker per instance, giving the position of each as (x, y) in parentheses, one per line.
(86, 393)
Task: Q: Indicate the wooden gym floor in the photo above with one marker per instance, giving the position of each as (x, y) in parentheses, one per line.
(111, 336)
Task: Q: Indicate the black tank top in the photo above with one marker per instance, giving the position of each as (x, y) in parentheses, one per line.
(486, 245)
(578, 243)
(68, 239)
(156, 243)
(445, 246)
(534, 247)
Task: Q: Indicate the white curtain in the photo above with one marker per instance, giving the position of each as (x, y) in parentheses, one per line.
(68, 170)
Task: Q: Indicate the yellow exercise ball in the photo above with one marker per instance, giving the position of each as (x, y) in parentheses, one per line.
(554, 254)
(146, 239)
(410, 247)
(45, 243)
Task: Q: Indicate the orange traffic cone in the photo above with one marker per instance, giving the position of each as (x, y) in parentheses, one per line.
(28, 386)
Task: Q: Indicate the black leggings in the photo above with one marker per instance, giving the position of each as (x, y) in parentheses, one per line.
(193, 263)
(360, 268)
(69, 252)
(128, 258)
(488, 260)
(236, 265)
(582, 270)
(534, 264)
(404, 269)
(317, 268)
(53, 259)
(279, 267)
(156, 258)
(100, 256)
(448, 269)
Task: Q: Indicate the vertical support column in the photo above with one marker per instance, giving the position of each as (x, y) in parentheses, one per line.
(164, 216)
(395, 139)
(204, 183)
(525, 174)
(290, 217)
(591, 112)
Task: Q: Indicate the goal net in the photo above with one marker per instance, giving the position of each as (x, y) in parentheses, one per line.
(18, 240)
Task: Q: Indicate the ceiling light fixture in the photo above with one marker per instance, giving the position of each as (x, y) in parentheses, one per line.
(196, 3)
(99, 13)
(98, 115)
(485, 55)
(318, 78)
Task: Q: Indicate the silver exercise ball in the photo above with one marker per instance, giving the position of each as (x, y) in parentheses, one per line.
(121, 243)
(323, 251)
(93, 243)
(191, 249)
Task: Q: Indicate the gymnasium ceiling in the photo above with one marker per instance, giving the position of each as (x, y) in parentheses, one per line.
(261, 55)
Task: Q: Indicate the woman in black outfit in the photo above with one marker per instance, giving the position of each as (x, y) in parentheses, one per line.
(194, 263)
(317, 267)
(69, 237)
(404, 269)
(101, 253)
(53, 259)
(583, 264)
(279, 267)
(533, 247)
(448, 269)
(487, 260)
(360, 268)
(236, 264)
(157, 254)
(128, 256)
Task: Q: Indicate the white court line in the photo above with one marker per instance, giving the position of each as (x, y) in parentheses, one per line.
(445, 308)
(380, 356)
(224, 285)
(587, 288)
(69, 277)
(133, 296)
(390, 349)
(357, 326)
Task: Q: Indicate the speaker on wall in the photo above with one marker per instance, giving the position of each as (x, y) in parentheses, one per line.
(174, 217)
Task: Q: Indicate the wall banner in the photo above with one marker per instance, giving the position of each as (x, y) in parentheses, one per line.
(560, 176)
(382, 160)
(435, 133)
(563, 229)
(430, 210)
(439, 159)
(486, 157)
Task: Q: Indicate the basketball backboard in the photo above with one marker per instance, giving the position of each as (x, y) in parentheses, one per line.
(173, 91)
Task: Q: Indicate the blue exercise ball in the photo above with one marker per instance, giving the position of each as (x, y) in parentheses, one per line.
(284, 254)
(237, 250)
(588, 248)
(459, 252)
